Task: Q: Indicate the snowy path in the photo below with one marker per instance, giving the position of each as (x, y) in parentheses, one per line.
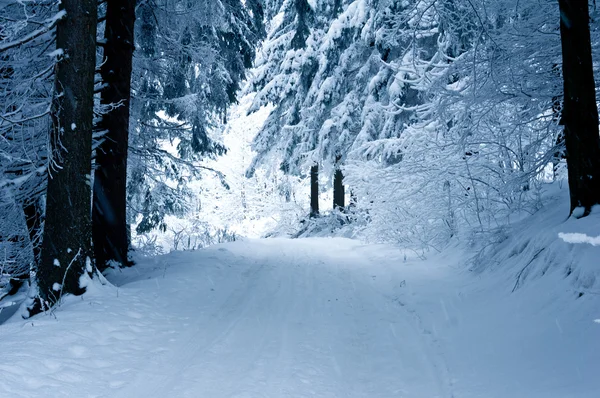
(292, 323)
(298, 318)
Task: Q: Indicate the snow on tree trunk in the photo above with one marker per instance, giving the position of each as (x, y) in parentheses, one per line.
(66, 247)
(109, 215)
(580, 113)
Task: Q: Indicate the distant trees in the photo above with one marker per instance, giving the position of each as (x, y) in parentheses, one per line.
(313, 69)
(445, 112)
(580, 112)
(193, 57)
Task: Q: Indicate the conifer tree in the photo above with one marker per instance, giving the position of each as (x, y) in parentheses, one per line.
(314, 190)
(66, 247)
(193, 57)
(580, 112)
(339, 192)
(109, 211)
(26, 81)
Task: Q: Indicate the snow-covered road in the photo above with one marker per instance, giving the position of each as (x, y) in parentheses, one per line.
(288, 322)
(285, 318)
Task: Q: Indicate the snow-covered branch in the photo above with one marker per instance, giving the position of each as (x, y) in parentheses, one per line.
(48, 25)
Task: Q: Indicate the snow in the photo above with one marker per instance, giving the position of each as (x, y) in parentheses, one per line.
(324, 317)
(578, 212)
(59, 52)
(580, 238)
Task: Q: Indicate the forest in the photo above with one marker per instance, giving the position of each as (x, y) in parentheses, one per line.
(134, 128)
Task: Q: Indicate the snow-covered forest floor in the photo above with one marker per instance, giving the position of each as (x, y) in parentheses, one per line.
(325, 317)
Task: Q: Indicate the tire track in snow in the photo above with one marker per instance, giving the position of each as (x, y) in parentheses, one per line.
(430, 345)
(235, 306)
(297, 323)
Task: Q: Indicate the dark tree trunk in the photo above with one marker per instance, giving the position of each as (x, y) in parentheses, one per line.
(66, 248)
(110, 179)
(580, 113)
(339, 193)
(33, 217)
(314, 190)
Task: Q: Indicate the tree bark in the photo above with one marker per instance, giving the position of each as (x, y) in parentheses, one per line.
(314, 190)
(109, 214)
(66, 247)
(339, 192)
(580, 113)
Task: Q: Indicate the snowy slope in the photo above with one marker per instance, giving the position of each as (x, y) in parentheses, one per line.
(308, 317)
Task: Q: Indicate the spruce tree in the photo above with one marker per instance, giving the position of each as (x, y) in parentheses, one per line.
(26, 82)
(193, 57)
(339, 192)
(580, 112)
(66, 248)
(109, 214)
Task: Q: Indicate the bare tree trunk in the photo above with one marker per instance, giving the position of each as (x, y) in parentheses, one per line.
(66, 248)
(339, 193)
(580, 113)
(109, 214)
(314, 190)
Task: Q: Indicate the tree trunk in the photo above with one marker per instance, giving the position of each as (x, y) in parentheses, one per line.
(33, 211)
(580, 113)
(66, 247)
(110, 179)
(338, 190)
(314, 190)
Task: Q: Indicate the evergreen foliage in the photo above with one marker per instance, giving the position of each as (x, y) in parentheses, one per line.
(27, 64)
(191, 61)
(443, 113)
